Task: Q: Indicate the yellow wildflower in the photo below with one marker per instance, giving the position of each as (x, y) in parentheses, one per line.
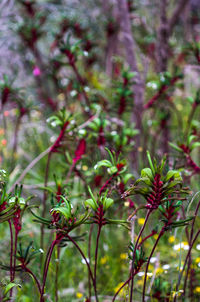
(197, 289)
(103, 260)
(118, 287)
(141, 221)
(159, 270)
(123, 256)
(171, 239)
(140, 282)
(79, 295)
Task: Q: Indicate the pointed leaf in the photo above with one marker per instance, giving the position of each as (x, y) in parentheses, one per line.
(91, 203)
(147, 172)
(107, 203)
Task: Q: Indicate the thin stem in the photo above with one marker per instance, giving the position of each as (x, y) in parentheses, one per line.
(147, 237)
(34, 277)
(29, 167)
(96, 257)
(15, 140)
(15, 252)
(89, 257)
(190, 118)
(191, 236)
(48, 258)
(134, 252)
(148, 262)
(193, 222)
(87, 263)
(57, 271)
(11, 254)
(124, 284)
(186, 259)
(44, 200)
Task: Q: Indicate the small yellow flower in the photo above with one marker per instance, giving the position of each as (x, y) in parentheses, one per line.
(140, 240)
(141, 221)
(151, 267)
(140, 282)
(123, 256)
(84, 168)
(103, 260)
(197, 289)
(79, 295)
(197, 260)
(118, 287)
(155, 236)
(159, 270)
(171, 239)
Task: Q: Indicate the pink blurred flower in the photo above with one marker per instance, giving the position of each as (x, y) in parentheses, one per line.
(36, 71)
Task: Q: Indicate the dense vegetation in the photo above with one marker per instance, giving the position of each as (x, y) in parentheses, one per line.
(99, 150)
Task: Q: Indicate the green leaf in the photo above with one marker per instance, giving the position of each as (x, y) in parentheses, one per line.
(175, 174)
(107, 203)
(173, 184)
(179, 203)
(9, 287)
(146, 180)
(112, 170)
(147, 172)
(182, 221)
(195, 145)
(68, 157)
(162, 210)
(175, 147)
(67, 203)
(91, 203)
(41, 219)
(62, 210)
(91, 194)
(150, 162)
(103, 163)
(190, 138)
(127, 177)
(111, 156)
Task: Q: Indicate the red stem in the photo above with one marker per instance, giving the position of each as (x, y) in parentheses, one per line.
(88, 265)
(160, 92)
(147, 237)
(34, 277)
(190, 241)
(148, 262)
(186, 259)
(96, 257)
(11, 255)
(44, 199)
(124, 284)
(15, 252)
(134, 252)
(46, 267)
(89, 257)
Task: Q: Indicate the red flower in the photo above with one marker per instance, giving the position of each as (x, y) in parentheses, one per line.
(80, 150)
